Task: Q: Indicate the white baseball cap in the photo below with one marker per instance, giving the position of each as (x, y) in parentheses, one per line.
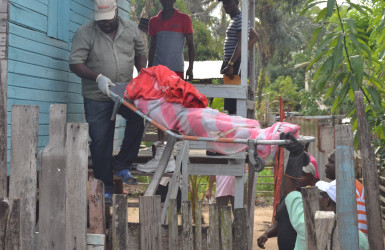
(105, 9)
(328, 187)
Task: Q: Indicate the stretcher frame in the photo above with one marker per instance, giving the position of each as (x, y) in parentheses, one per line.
(182, 158)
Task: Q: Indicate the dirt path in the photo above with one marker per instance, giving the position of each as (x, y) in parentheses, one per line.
(262, 219)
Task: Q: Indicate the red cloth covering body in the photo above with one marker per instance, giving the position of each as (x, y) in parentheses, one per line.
(159, 81)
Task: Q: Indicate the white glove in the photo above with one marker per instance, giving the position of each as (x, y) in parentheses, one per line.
(104, 83)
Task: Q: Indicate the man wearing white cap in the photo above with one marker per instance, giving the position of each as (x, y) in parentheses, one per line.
(104, 51)
(293, 199)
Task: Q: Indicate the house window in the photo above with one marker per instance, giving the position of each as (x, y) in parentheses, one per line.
(58, 19)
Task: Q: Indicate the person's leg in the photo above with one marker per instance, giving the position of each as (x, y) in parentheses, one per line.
(101, 131)
(132, 138)
(222, 201)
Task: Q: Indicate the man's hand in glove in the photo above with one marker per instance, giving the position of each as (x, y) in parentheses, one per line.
(297, 158)
(104, 83)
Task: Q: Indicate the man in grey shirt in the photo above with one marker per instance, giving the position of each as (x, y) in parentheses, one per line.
(105, 51)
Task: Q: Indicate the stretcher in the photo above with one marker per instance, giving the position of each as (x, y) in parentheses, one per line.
(235, 166)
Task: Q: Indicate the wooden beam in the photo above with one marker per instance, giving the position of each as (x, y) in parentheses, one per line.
(150, 225)
(198, 226)
(119, 222)
(172, 225)
(213, 231)
(187, 235)
(52, 182)
(346, 188)
(97, 218)
(325, 223)
(3, 128)
(76, 185)
(370, 175)
(13, 233)
(4, 211)
(226, 228)
(23, 172)
(310, 197)
(241, 225)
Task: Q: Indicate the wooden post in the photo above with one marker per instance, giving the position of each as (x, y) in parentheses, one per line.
(251, 205)
(4, 31)
(23, 177)
(76, 185)
(213, 231)
(241, 225)
(370, 176)
(119, 222)
(198, 226)
(4, 211)
(226, 228)
(149, 219)
(12, 236)
(52, 182)
(151, 189)
(325, 225)
(172, 225)
(97, 216)
(187, 234)
(346, 188)
(310, 197)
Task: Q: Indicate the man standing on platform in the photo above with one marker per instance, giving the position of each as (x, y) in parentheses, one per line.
(104, 51)
(169, 30)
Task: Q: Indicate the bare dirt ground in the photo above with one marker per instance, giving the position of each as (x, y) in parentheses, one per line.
(262, 217)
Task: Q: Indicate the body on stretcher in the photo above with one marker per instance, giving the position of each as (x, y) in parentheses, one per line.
(199, 124)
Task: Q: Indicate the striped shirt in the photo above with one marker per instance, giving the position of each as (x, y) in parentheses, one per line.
(361, 209)
(231, 40)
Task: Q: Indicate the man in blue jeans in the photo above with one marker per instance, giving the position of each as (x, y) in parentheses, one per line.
(104, 51)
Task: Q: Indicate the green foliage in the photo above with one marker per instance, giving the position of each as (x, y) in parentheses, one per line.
(349, 58)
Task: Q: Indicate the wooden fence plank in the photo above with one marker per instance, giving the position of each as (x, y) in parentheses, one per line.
(97, 218)
(213, 232)
(310, 196)
(226, 228)
(4, 211)
(173, 225)
(370, 175)
(187, 234)
(119, 222)
(76, 185)
(23, 174)
(12, 236)
(346, 188)
(149, 219)
(3, 126)
(241, 225)
(52, 182)
(325, 224)
(198, 226)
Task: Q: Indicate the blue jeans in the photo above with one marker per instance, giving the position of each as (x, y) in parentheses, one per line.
(101, 130)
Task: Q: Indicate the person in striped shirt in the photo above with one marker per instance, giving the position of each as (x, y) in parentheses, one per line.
(330, 171)
(232, 47)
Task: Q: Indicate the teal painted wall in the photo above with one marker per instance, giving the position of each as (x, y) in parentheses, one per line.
(39, 48)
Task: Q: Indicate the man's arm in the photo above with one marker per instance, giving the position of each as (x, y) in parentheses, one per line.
(271, 232)
(151, 53)
(83, 71)
(140, 62)
(191, 55)
(253, 37)
(209, 191)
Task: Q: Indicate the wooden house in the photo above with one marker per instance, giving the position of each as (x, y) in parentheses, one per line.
(35, 49)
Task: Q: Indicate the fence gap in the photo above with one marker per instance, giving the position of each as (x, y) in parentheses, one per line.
(76, 185)
(23, 176)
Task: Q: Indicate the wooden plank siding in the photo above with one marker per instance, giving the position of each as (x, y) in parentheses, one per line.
(38, 65)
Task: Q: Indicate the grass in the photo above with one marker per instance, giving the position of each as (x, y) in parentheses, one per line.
(265, 176)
